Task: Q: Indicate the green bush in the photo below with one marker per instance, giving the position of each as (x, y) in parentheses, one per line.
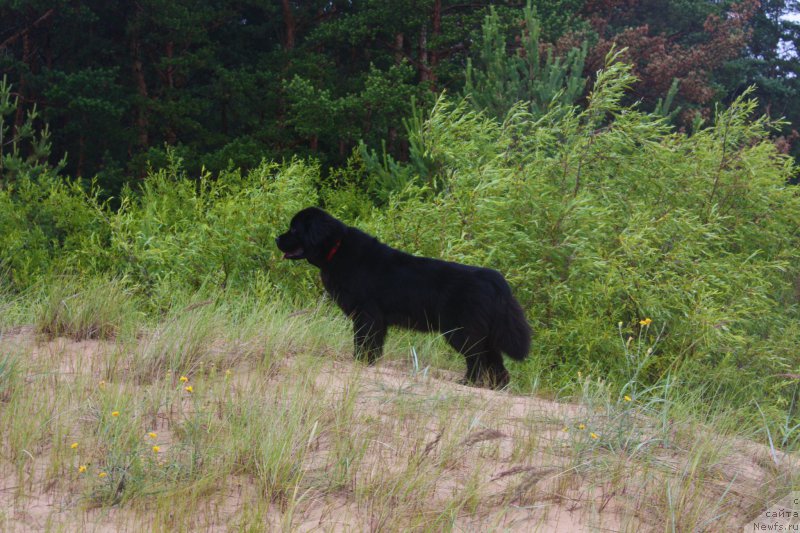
(42, 220)
(179, 233)
(41, 214)
(606, 215)
(599, 217)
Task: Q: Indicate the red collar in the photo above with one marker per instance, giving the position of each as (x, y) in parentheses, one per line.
(333, 251)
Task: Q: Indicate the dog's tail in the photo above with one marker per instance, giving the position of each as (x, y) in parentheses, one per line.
(511, 333)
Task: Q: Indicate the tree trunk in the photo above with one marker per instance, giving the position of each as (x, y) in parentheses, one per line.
(424, 67)
(19, 118)
(142, 122)
(288, 25)
(390, 146)
(170, 73)
(24, 34)
(398, 47)
(437, 32)
(81, 155)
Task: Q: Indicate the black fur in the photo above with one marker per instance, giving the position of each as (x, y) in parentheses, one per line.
(378, 286)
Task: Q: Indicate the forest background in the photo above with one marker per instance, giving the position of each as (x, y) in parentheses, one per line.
(628, 164)
(231, 83)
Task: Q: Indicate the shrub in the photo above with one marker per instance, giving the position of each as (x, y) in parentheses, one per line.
(181, 234)
(597, 216)
(605, 215)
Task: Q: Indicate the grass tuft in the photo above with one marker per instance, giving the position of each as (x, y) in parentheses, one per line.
(96, 309)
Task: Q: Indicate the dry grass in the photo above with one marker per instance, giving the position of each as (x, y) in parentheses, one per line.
(283, 431)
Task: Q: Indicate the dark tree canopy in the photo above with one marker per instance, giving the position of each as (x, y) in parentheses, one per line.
(231, 83)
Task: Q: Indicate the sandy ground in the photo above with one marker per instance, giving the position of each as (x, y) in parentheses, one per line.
(517, 453)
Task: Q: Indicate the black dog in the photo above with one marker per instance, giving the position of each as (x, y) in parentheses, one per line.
(378, 286)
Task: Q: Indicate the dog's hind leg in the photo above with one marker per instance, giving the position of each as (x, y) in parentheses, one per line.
(368, 334)
(473, 351)
(474, 369)
(495, 374)
(484, 364)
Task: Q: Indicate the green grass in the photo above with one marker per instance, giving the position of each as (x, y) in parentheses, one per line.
(281, 429)
(15, 310)
(80, 310)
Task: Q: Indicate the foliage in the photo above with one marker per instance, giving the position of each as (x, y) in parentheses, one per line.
(501, 80)
(176, 233)
(597, 216)
(183, 233)
(771, 64)
(372, 115)
(40, 214)
(692, 42)
(227, 84)
(24, 148)
(606, 215)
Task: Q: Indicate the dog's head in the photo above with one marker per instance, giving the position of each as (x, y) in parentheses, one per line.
(313, 235)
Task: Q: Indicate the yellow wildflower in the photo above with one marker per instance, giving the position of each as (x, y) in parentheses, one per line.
(581, 426)
(645, 322)
(156, 449)
(593, 435)
(184, 379)
(188, 389)
(115, 413)
(152, 434)
(627, 398)
(101, 475)
(74, 445)
(82, 469)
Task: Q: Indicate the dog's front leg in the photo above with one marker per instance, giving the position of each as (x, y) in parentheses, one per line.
(369, 334)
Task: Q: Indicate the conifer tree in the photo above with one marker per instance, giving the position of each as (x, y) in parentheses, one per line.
(24, 149)
(530, 74)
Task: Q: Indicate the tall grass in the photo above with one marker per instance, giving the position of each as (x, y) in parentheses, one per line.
(260, 406)
(93, 309)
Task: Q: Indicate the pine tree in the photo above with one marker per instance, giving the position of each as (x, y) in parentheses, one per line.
(498, 80)
(24, 149)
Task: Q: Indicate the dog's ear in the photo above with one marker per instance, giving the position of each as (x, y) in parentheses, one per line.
(321, 230)
(318, 231)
